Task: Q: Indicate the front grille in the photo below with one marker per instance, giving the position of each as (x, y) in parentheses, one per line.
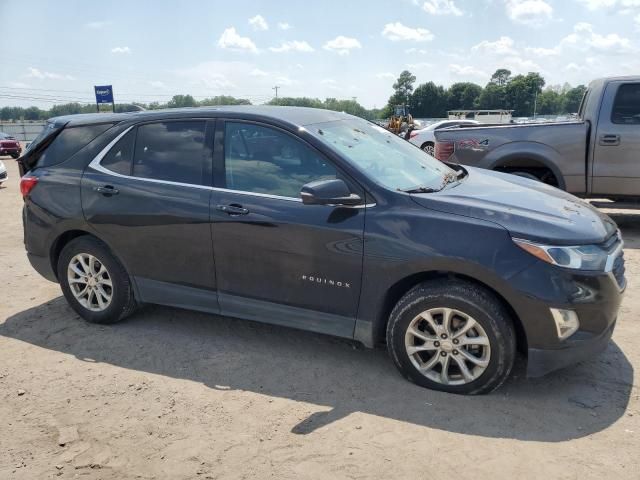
(617, 268)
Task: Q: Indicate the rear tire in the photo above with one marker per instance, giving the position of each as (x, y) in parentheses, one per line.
(476, 342)
(94, 282)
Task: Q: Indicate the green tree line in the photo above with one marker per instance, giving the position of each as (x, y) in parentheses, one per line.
(524, 94)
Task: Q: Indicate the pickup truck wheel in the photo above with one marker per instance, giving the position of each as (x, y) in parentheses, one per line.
(94, 282)
(452, 336)
(430, 148)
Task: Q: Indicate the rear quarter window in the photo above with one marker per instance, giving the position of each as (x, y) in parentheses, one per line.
(626, 106)
(69, 142)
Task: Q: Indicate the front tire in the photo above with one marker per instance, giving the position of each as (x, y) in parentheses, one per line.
(94, 282)
(430, 148)
(452, 336)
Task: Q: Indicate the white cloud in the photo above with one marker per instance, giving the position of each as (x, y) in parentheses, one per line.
(231, 40)
(158, 84)
(626, 5)
(330, 83)
(584, 38)
(42, 75)
(529, 12)
(637, 20)
(388, 75)
(342, 45)
(543, 52)
(419, 65)
(126, 50)
(518, 64)
(573, 67)
(597, 4)
(421, 51)
(258, 23)
(466, 70)
(96, 25)
(284, 26)
(256, 72)
(502, 46)
(292, 46)
(397, 32)
(441, 7)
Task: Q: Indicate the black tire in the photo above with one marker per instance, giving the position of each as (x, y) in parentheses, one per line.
(15, 155)
(477, 302)
(428, 147)
(122, 303)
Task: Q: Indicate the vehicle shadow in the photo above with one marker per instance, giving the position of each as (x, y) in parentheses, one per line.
(225, 353)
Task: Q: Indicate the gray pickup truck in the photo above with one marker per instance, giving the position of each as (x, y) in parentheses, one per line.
(595, 156)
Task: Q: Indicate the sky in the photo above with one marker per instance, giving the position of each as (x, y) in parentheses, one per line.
(56, 51)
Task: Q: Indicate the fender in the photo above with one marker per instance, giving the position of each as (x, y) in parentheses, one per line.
(539, 152)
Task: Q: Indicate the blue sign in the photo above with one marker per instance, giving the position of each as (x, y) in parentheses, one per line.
(104, 94)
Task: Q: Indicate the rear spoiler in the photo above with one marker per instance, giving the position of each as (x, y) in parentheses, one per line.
(32, 154)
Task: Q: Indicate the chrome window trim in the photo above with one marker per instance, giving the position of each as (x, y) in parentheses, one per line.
(96, 165)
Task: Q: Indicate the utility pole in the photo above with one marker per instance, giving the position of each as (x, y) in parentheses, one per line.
(276, 89)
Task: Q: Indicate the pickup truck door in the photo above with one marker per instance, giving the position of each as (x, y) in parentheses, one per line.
(616, 157)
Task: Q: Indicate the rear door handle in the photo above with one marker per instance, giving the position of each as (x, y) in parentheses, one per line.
(233, 209)
(107, 190)
(609, 139)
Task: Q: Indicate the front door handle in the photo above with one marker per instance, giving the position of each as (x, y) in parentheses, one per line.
(107, 190)
(609, 139)
(233, 209)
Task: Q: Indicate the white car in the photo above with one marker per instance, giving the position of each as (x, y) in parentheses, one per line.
(3, 172)
(425, 137)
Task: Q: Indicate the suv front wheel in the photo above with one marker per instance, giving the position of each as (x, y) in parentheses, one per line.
(452, 336)
(94, 282)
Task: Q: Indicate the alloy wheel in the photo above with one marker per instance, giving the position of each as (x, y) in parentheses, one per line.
(448, 346)
(90, 282)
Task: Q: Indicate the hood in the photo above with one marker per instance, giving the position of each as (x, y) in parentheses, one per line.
(526, 208)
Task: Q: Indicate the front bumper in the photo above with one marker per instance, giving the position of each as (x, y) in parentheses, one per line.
(540, 362)
(10, 151)
(594, 296)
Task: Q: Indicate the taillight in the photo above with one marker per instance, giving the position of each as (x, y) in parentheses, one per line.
(444, 150)
(26, 185)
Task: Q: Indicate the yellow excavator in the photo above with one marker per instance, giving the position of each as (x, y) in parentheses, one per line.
(401, 121)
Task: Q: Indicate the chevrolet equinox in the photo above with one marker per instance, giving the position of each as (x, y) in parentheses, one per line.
(322, 221)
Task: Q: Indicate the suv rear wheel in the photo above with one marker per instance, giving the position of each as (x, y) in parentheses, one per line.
(452, 336)
(94, 282)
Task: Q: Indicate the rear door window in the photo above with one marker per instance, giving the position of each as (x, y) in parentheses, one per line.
(172, 151)
(69, 142)
(118, 159)
(626, 106)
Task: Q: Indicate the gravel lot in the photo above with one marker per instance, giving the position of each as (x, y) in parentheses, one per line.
(177, 394)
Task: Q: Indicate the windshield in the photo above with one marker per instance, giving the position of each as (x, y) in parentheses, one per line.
(383, 156)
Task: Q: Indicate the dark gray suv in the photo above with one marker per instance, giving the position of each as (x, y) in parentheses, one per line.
(322, 221)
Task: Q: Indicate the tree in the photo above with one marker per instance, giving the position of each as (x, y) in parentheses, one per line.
(429, 101)
(492, 97)
(182, 101)
(223, 100)
(521, 93)
(464, 96)
(573, 98)
(501, 77)
(403, 87)
(549, 102)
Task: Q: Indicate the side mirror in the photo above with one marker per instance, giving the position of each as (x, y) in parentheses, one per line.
(328, 192)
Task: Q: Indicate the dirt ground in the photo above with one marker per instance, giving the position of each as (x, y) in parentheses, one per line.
(177, 394)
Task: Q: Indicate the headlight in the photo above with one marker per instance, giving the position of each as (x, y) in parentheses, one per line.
(583, 257)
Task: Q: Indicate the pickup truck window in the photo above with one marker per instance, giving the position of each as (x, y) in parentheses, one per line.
(626, 106)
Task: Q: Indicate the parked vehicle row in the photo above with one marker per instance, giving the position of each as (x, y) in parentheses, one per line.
(9, 145)
(425, 137)
(593, 156)
(326, 222)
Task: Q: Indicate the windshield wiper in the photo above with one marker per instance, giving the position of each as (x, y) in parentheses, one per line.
(418, 189)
